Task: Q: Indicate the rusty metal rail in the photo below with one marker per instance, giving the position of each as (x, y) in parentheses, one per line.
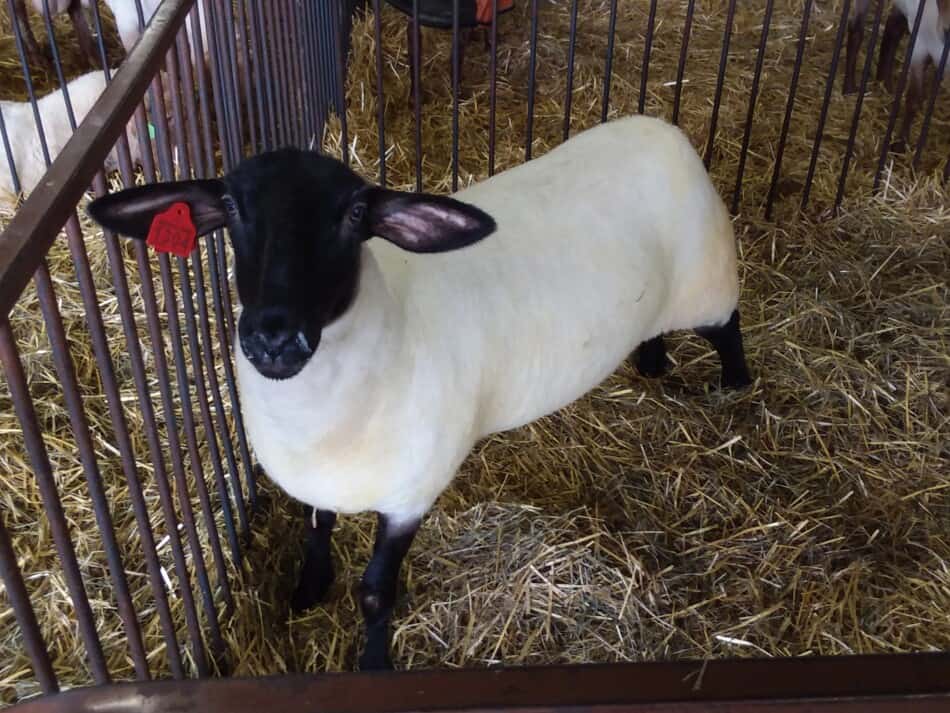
(917, 683)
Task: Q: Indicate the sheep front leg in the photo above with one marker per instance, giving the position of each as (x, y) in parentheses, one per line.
(378, 589)
(727, 341)
(894, 30)
(915, 95)
(316, 574)
(83, 33)
(855, 38)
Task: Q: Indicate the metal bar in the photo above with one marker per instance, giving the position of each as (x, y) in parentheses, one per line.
(58, 65)
(647, 51)
(220, 88)
(826, 102)
(340, 65)
(608, 69)
(247, 91)
(789, 107)
(810, 684)
(720, 80)
(681, 67)
(455, 96)
(571, 51)
(532, 81)
(865, 76)
(380, 96)
(103, 354)
(23, 612)
(307, 98)
(66, 372)
(928, 114)
(898, 94)
(43, 471)
(417, 91)
(36, 224)
(268, 140)
(286, 50)
(276, 67)
(493, 88)
(235, 83)
(198, 368)
(753, 97)
(31, 94)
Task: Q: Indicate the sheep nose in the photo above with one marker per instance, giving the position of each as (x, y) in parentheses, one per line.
(273, 343)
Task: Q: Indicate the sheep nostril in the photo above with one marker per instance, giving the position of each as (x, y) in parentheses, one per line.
(276, 343)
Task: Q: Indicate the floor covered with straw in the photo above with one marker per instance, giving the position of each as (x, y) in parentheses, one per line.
(651, 519)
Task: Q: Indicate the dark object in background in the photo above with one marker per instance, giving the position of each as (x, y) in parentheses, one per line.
(438, 14)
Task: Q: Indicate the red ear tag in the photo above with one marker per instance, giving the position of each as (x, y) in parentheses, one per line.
(172, 231)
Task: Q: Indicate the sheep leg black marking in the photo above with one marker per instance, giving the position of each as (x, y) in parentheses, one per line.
(894, 29)
(855, 38)
(651, 358)
(83, 33)
(727, 340)
(378, 590)
(34, 54)
(915, 94)
(316, 574)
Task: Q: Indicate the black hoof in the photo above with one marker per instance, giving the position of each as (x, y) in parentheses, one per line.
(651, 359)
(313, 587)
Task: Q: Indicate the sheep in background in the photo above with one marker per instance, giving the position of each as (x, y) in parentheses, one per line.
(367, 372)
(934, 24)
(24, 139)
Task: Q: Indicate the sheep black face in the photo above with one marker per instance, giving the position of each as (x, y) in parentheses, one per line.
(297, 221)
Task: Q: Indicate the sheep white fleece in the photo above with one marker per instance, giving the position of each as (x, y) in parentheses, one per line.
(24, 138)
(612, 238)
(934, 23)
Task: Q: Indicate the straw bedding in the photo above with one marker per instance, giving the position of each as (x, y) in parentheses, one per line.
(651, 519)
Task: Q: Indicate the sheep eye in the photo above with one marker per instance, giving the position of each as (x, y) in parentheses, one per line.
(357, 212)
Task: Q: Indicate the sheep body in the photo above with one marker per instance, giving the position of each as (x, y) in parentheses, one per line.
(24, 138)
(612, 238)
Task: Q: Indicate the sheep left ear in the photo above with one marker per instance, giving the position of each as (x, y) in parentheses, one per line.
(130, 212)
(423, 223)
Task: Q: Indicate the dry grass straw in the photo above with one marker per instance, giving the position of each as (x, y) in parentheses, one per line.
(651, 519)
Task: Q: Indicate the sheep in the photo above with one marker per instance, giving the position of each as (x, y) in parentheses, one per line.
(56, 7)
(126, 17)
(931, 36)
(368, 369)
(25, 145)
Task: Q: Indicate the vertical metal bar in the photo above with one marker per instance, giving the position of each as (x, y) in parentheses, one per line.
(57, 63)
(493, 88)
(720, 80)
(320, 105)
(264, 112)
(340, 65)
(789, 107)
(32, 435)
(220, 86)
(647, 51)
(238, 102)
(928, 114)
(532, 81)
(754, 95)
(571, 49)
(380, 96)
(276, 61)
(895, 105)
(247, 91)
(865, 76)
(285, 54)
(829, 88)
(417, 88)
(23, 612)
(681, 68)
(201, 394)
(103, 355)
(455, 96)
(8, 150)
(608, 69)
(66, 373)
(28, 79)
(307, 96)
(188, 423)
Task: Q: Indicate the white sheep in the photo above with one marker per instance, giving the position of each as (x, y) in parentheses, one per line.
(24, 138)
(367, 373)
(56, 7)
(931, 36)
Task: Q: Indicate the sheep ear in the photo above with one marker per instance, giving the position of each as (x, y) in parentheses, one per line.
(130, 212)
(423, 223)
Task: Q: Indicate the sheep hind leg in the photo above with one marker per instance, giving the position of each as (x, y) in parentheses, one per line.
(727, 340)
(650, 358)
(378, 590)
(316, 574)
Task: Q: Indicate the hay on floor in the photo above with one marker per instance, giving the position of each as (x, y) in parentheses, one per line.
(651, 519)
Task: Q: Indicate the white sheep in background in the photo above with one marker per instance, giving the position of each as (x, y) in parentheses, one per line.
(367, 372)
(24, 139)
(56, 7)
(931, 36)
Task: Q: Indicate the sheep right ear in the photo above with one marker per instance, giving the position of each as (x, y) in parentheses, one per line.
(130, 212)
